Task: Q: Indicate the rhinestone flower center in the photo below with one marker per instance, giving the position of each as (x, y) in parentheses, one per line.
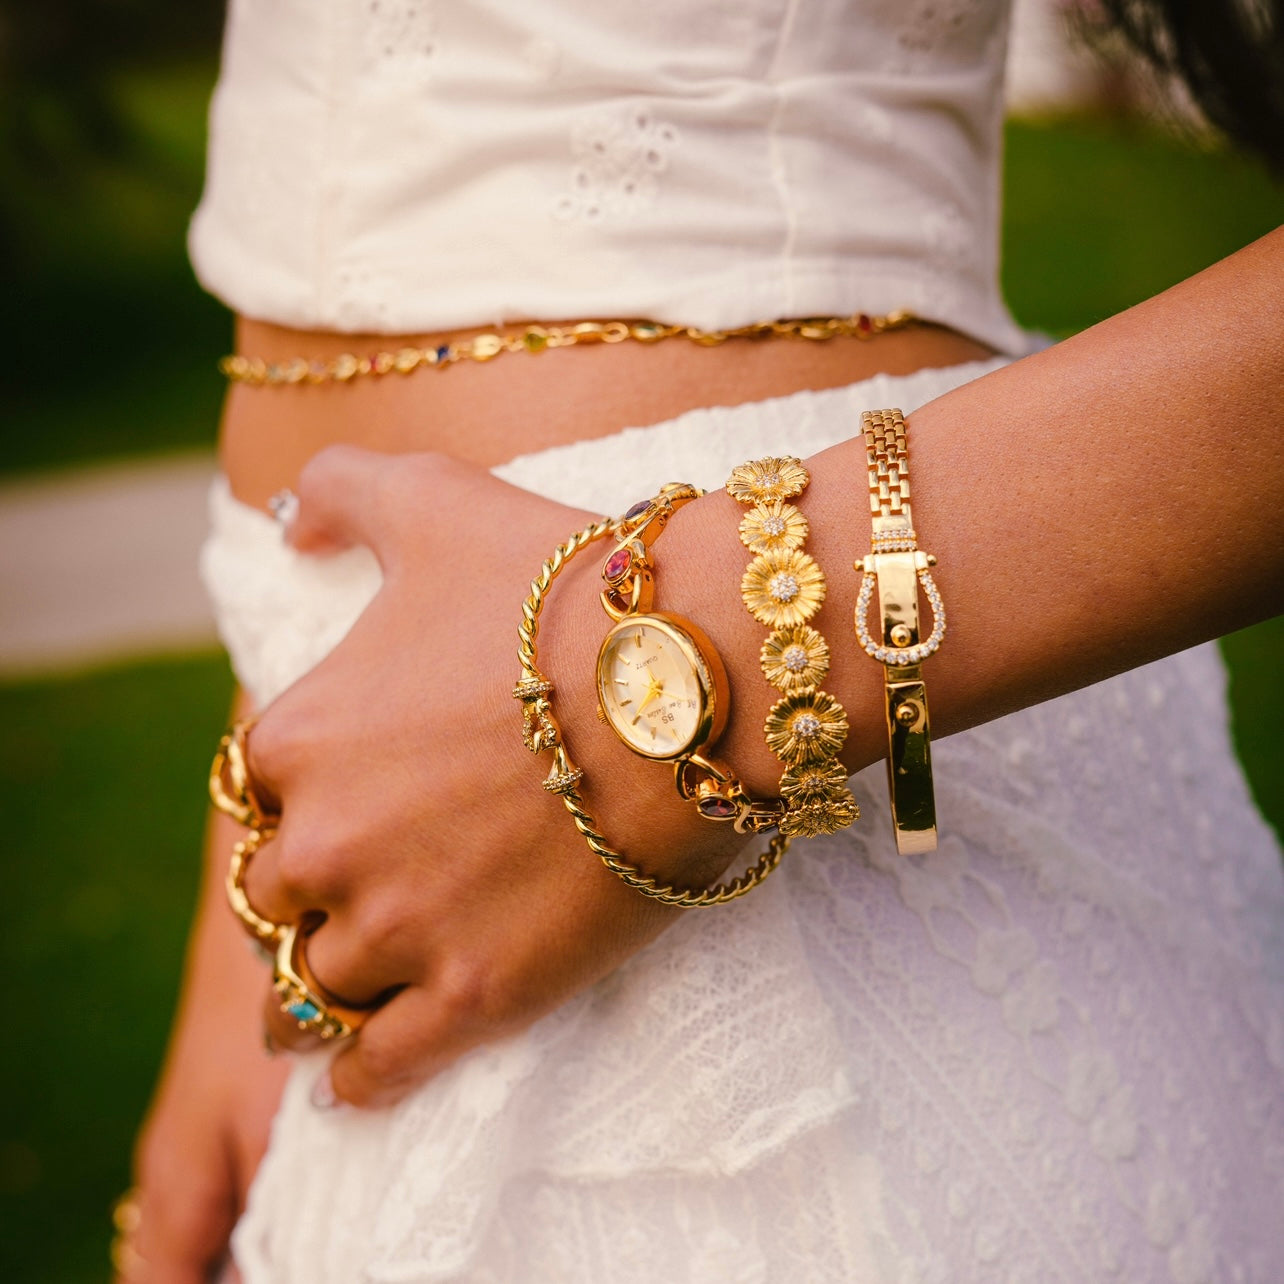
(783, 587)
(795, 658)
(774, 524)
(806, 725)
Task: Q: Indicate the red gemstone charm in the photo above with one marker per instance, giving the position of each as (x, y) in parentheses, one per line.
(618, 565)
(715, 808)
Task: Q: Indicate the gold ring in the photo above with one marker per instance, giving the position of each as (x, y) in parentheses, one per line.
(126, 1217)
(301, 994)
(263, 930)
(231, 789)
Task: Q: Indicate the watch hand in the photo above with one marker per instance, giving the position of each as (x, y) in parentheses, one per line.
(653, 689)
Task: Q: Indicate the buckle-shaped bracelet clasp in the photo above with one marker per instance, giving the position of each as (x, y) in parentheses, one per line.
(901, 649)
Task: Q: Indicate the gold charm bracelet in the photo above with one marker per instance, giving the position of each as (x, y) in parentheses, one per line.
(899, 568)
(783, 588)
(540, 733)
(538, 338)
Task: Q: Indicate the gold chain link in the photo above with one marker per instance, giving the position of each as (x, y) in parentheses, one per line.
(887, 457)
(347, 366)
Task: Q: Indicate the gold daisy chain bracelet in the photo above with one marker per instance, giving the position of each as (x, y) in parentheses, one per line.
(783, 588)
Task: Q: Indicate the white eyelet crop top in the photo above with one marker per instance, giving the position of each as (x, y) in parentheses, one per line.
(411, 165)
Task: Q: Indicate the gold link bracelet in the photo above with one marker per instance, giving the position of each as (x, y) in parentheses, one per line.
(898, 567)
(541, 733)
(347, 366)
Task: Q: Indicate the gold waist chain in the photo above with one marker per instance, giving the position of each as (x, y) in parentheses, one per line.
(537, 338)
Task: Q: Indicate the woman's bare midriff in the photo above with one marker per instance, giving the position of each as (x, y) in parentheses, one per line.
(519, 402)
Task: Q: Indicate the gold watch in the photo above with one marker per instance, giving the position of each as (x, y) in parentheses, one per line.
(661, 685)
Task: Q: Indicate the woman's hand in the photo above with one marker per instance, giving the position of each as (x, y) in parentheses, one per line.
(446, 882)
(1080, 503)
(208, 1125)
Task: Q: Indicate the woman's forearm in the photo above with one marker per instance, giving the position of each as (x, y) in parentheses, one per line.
(1115, 498)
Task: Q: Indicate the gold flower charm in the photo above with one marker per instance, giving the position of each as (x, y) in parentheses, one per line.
(806, 728)
(795, 659)
(769, 527)
(821, 816)
(819, 800)
(813, 781)
(783, 589)
(762, 480)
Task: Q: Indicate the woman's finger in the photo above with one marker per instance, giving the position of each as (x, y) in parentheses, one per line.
(367, 949)
(342, 500)
(279, 882)
(417, 1033)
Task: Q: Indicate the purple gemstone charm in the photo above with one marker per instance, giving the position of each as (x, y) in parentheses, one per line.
(637, 510)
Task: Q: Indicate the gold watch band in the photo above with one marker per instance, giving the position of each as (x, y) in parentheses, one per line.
(629, 580)
(898, 568)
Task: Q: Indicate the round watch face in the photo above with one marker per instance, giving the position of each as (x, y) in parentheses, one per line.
(657, 689)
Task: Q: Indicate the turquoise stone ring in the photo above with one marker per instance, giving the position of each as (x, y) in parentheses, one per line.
(300, 995)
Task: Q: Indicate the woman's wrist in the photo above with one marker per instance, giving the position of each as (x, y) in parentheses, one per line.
(699, 572)
(699, 564)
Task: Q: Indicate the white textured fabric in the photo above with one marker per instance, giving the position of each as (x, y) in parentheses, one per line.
(1051, 1051)
(404, 165)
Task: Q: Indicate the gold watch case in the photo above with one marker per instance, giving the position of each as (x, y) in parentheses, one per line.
(661, 686)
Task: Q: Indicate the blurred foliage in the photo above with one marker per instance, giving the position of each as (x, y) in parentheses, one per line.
(102, 117)
(1255, 658)
(1100, 213)
(101, 785)
(58, 59)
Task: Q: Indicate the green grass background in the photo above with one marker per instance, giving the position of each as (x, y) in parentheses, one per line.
(110, 353)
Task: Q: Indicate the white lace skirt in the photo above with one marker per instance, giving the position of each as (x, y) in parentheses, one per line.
(1052, 1050)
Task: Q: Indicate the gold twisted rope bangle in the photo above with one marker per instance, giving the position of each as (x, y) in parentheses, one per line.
(541, 732)
(347, 366)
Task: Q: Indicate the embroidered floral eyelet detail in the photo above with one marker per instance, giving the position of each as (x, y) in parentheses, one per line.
(783, 589)
(806, 728)
(762, 480)
(795, 659)
(617, 158)
(773, 526)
